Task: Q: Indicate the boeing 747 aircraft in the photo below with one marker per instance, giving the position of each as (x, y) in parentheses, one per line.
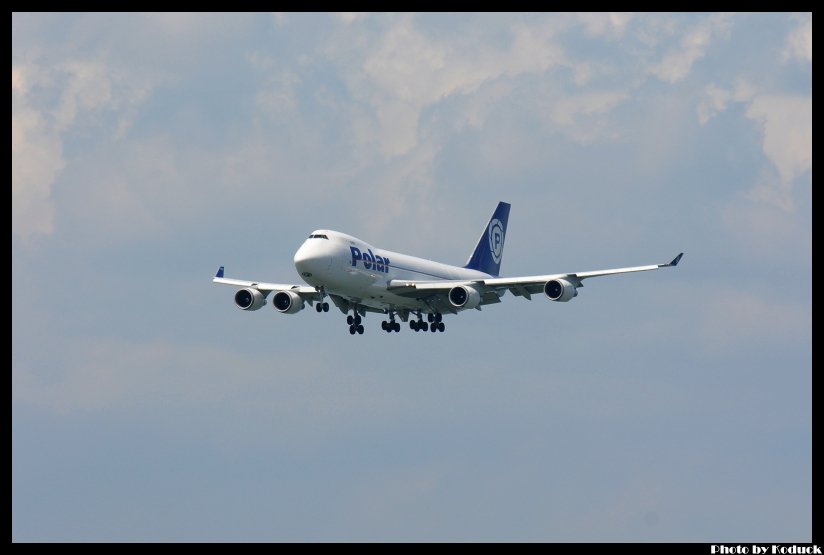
(361, 278)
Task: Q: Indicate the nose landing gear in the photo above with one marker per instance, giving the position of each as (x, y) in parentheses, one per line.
(322, 305)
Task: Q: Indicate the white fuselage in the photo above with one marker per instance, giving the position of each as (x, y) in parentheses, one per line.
(353, 269)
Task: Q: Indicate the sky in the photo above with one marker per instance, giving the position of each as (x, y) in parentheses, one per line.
(669, 406)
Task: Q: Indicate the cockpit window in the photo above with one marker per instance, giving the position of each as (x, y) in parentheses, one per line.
(318, 236)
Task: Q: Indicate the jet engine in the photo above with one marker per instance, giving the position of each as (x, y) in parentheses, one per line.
(560, 290)
(287, 302)
(249, 298)
(464, 296)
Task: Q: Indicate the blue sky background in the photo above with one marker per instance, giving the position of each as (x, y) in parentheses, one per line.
(148, 149)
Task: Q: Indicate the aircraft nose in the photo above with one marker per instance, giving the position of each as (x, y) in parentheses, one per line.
(309, 260)
(303, 257)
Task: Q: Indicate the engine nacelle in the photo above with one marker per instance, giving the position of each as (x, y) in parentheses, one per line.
(249, 298)
(464, 296)
(287, 302)
(560, 290)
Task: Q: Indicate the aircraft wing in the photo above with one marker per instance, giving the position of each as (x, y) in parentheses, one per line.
(306, 292)
(491, 289)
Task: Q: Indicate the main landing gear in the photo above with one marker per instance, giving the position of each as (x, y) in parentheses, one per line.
(391, 325)
(354, 322)
(435, 323)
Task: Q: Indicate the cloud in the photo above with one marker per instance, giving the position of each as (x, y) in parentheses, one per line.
(572, 112)
(277, 98)
(47, 102)
(610, 25)
(799, 44)
(474, 111)
(716, 99)
(349, 17)
(409, 71)
(399, 75)
(787, 126)
(187, 31)
(88, 87)
(19, 80)
(676, 65)
(36, 160)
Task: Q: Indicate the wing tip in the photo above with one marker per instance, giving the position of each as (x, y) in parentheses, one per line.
(676, 260)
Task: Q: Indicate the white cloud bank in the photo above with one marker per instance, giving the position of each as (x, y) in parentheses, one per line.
(800, 42)
(409, 71)
(694, 44)
(47, 102)
(785, 122)
(36, 160)
(787, 127)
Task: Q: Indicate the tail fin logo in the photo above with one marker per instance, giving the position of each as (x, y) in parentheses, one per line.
(496, 240)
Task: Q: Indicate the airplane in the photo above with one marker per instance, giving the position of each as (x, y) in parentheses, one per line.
(361, 278)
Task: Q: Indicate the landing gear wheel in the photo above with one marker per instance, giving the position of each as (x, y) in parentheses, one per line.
(383, 326)
(326, 307)
(318, 307)
(360, 329)
(351, 330)
(441, 326)
(413, 325)
(424, 326)
(438, 317)
(434, 327)
(396, 326)
(357, 319)
(430, 317)
(350, 320)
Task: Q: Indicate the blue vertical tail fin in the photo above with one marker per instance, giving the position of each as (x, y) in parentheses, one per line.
(490, 248)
